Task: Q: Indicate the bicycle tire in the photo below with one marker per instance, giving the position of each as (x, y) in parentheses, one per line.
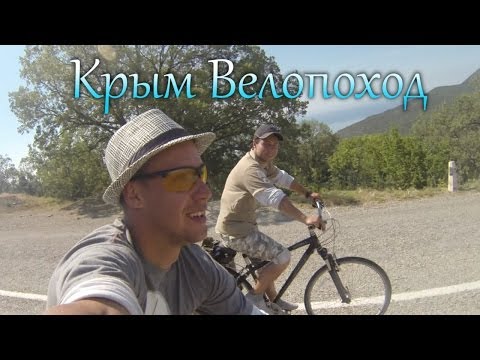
(368, 284)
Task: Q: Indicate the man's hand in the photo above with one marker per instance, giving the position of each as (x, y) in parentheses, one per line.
(317, 221)
(314, 196)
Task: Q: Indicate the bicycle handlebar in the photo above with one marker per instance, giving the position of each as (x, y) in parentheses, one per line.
(319, 205)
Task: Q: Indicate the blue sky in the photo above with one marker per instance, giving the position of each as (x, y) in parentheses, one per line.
(438, 65)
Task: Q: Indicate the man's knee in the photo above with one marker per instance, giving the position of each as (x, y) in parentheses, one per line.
(282, 258)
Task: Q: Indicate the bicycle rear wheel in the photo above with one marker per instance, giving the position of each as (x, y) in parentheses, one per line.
(367, 283)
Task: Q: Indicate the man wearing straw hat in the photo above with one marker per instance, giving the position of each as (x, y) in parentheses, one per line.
(148, 262)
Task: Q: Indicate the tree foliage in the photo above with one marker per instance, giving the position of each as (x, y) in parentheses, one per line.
(390, 160)
(69, 168)
(27, 181)
(378, 161)
(305, 154)
(8, 174)
(65, 159)
(452, 134)
(47, 106)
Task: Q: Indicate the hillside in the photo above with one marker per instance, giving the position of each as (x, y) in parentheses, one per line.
(403, 120)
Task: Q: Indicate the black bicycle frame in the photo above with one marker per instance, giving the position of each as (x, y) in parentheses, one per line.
(313, 244)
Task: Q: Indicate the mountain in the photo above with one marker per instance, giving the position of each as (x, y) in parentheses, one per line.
(403, 120)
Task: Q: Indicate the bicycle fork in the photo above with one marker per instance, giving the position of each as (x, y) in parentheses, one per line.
(333, 270)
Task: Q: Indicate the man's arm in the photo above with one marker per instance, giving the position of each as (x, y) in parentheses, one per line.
(92, 306)
(289, 209)
(299, 188)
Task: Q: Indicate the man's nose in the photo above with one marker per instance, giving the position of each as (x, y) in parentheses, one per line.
(202, 191)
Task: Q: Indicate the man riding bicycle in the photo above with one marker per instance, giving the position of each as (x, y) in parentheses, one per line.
(254, 179)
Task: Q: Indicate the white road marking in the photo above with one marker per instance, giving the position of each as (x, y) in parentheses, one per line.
(20, 295)
(407, 296)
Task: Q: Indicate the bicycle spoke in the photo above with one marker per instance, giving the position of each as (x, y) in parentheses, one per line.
(367, 283)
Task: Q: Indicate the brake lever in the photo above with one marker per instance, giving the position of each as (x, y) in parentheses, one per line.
(320, 206)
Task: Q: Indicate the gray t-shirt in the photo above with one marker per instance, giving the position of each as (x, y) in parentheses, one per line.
(105, 264)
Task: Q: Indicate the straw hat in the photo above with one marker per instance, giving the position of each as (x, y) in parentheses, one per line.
(139, 140)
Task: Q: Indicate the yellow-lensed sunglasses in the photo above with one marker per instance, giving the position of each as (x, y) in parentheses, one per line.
(178, 179)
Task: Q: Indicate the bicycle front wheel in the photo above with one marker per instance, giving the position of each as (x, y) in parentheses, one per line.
(367, 284)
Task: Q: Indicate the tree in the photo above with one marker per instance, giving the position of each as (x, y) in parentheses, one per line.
(69, 168)
(47, 105)
(345, 163)
(28, 182)
(8, 174)
(306, 155)
(452, 133)
(379, 161)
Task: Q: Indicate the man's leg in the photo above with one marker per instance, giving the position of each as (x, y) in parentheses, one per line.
(266, 279)
(259, 247)
(270, 291)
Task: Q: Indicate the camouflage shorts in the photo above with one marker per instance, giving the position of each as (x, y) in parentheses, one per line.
(256, 245)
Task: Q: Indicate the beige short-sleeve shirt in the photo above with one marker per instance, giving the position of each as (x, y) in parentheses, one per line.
(237, 206)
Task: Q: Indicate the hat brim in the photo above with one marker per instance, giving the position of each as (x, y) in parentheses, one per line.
(112, 194)
(264, 136)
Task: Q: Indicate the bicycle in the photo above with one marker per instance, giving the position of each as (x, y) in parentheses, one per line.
(347, 285)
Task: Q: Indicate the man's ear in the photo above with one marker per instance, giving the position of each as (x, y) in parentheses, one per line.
(132, 195)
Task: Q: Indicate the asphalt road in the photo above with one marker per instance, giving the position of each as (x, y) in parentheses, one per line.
(429, 247)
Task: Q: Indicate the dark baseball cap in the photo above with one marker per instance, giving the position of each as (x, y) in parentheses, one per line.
(266, 130)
